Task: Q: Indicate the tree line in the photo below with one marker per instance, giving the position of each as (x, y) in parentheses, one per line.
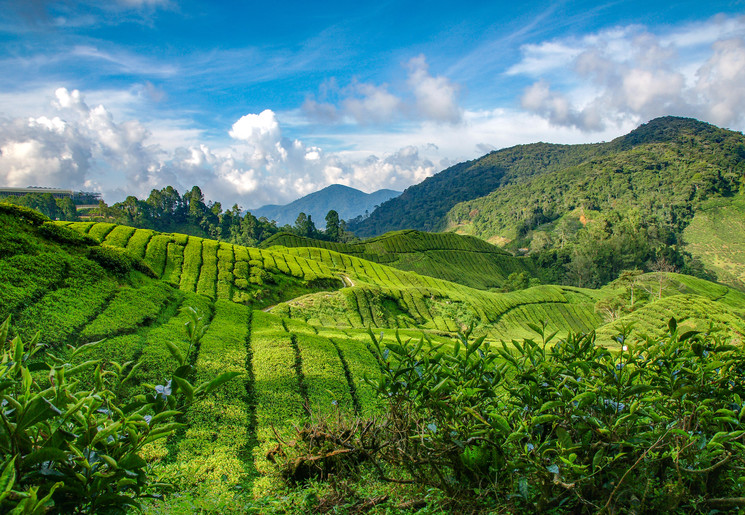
(166, 210)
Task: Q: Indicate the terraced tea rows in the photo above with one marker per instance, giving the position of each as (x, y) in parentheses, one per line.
(218, 270)
(460, 259)
(307, 356)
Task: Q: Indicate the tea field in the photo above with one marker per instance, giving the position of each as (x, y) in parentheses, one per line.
(293, 320)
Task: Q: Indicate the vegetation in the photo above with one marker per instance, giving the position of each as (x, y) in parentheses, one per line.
(586, 212)
(70, 449)
(542, 425)
(716, 236)
(419, 416)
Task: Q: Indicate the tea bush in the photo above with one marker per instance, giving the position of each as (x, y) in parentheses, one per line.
(563, 426)
(65, 448)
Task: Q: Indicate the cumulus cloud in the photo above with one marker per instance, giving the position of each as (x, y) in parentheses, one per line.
(425, 98)
(628, 73)
(372, 104)
(74, 145)
(436, 97)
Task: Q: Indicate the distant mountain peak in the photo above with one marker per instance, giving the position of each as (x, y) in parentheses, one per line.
(345, 200)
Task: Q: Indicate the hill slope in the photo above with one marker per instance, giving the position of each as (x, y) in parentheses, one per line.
(663, 169)
(460, 259)
(518, 188)
(292, 321)
(346, 201)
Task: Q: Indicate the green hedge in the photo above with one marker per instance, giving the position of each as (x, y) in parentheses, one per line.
(219, 424)
(130, 308)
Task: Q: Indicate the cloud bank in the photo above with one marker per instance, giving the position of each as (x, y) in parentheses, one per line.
(424, 98)
(628, 73)
(78, 146)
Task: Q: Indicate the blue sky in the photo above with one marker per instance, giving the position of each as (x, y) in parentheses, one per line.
(265, 102)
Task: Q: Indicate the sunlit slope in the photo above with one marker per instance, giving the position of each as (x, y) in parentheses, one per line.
(358, 293)
(376, 295)
(716, 236)
(288, 370)
(307, 356)
(218, 270)
(452, 257)
(697, 304)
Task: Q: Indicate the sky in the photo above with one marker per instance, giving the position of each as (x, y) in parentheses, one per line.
(264, 102)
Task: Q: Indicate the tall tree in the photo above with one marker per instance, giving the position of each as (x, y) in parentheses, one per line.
(333, 228)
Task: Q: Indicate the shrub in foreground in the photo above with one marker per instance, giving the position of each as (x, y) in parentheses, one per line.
(68, 448)
(561, 426)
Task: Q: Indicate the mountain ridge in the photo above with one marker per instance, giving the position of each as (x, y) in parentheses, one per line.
(347, 201)
(425, 206)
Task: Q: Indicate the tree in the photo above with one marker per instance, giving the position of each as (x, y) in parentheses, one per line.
(629, 279)
(304, 226)
(333, 228)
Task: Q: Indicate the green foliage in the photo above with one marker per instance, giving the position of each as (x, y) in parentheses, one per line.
(425, 205)
(118, 260)
(58, 233)
(60, 313)
(66, 449)
(137, 244)
(562, 426)
(716, 236)
(323, 373)
(277, 389)
(27, 214)
(219, 423)
(452, 257)
(130, 308)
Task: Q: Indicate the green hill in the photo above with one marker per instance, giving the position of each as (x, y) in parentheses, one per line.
(461, 259)
(716, 235)
(292, 320)
(698, 159)
(664, 169)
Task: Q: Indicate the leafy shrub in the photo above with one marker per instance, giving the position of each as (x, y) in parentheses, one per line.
(65, 235)
(65, 449)
(118, 260)
(27, 214)
(562, 426)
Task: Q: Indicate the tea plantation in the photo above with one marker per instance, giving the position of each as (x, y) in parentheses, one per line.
(292, 320)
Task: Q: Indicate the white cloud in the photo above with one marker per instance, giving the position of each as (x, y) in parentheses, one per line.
(541, 58)
(721, 81)
(436, 97)
(373, 104)
(425, 98)
(630, 74)
(74, 145)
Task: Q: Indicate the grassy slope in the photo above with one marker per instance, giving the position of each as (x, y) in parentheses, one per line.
(461, 259)
(716, 235)
(306, 356)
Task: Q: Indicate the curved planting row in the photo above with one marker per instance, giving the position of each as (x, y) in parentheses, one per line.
(218, 270)
(213, 447)
(693, 312)
(129, 309)
(61, 313)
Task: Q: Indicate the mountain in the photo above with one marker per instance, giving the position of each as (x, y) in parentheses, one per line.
(688, 158)
(346, 201)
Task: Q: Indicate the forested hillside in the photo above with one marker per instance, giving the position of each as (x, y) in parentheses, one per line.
(586, 212)
(710, 157)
